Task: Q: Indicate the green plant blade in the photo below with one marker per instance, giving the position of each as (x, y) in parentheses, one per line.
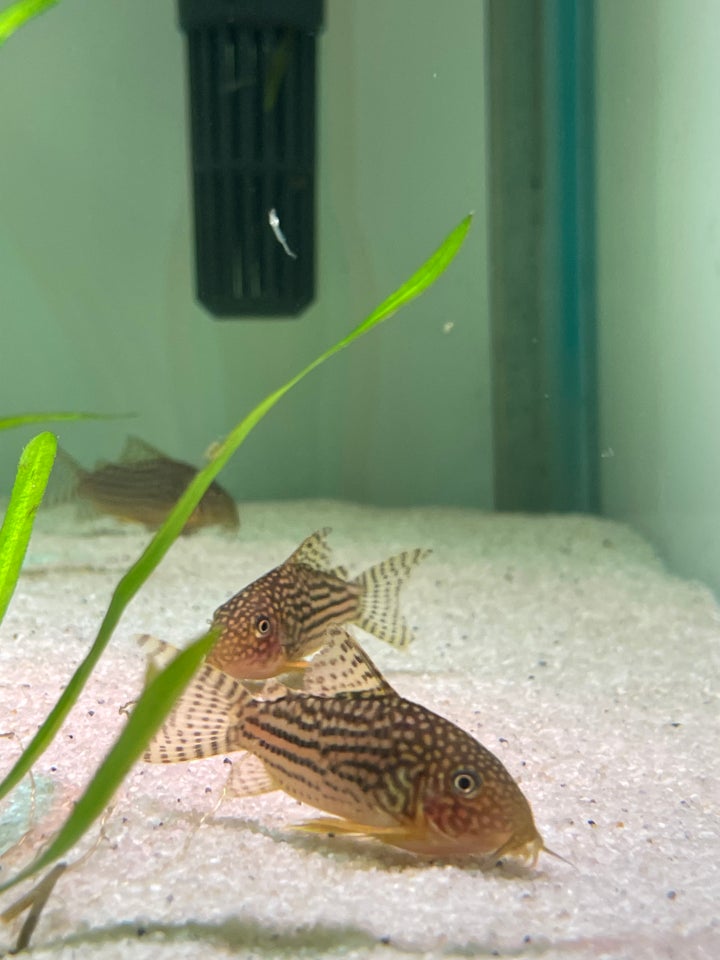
(19, 13)
(31, 479)
(168, 532)
(154, 704)
(21, 419)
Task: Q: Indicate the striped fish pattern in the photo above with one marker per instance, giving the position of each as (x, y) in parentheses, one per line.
(271, 625)
(348, 744)
(141, 487)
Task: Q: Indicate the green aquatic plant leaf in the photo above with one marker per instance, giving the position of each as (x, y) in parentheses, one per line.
(19, 13)
(152, 707)
(21, 419)
(32, 475)
(132, 581)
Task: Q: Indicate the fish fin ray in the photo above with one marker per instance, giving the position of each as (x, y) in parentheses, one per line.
(157, 651)
(381, 585)
(394, 834)
(205, 719)
(135, 450)
(249, 777)
(341, 665)
(64, 481)
(314, 551)
(329, 825)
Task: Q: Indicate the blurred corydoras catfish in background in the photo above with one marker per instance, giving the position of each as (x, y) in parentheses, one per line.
(141, 487)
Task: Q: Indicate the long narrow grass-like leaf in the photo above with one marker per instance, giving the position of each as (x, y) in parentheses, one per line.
(14, 16)
(21, 419)
(165, 536)
(31, 479)
(154, 704)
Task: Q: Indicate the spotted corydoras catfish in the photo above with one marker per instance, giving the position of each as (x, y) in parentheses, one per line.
(268, 627)
(351, 746)
(142, 487)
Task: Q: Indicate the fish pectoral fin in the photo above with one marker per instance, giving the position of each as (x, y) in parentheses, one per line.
(380, 586)
(332, 825)
(313, 551)
(290, 665)
(249, 777)
(394, 834)
(342, 666)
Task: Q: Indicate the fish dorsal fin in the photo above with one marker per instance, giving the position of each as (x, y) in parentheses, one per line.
(380, 586)
(205, 718)
(136, 450)
(249, 777)
(313, 551)
(342, 666)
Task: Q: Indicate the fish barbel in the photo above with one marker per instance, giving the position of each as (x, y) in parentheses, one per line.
(141, 487)
(268, 627)
(350, 745)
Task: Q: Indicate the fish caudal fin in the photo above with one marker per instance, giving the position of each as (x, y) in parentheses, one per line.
(205, 720)
(64, 480)
(340, 666)
(380, 585)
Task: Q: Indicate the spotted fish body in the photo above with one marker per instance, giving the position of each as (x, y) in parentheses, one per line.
(388, 768)
(271, 625)
(142, 487)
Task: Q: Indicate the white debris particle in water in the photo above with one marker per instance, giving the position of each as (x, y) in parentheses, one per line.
(274, 221)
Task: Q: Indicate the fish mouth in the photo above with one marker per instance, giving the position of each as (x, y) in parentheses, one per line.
(524, 847)
(435, 842)
(522, 841)
(453, 848)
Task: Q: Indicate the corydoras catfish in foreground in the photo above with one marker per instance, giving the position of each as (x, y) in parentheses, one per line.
(268, 627)
(350, 745)
(141, 487)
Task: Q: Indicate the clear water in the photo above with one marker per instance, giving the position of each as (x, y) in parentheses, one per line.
(565, 364)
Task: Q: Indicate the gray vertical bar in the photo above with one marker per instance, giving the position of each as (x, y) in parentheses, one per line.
(542, 225)
(516, 185)
(570, 321)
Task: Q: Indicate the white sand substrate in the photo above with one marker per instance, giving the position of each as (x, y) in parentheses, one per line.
(561, 643)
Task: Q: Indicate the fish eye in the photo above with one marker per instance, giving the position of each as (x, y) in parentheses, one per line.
(466, 782)
(262, 624)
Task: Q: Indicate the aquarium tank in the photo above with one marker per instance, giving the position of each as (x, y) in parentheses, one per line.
(359, 573)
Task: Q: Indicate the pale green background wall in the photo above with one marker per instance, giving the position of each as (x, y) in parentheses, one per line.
(658, 86)
(95, 247)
